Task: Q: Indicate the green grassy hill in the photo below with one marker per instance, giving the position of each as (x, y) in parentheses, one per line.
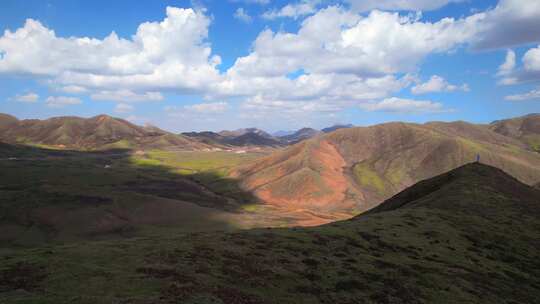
(466, 236)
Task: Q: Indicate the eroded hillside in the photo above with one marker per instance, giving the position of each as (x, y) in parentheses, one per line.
(352, 170)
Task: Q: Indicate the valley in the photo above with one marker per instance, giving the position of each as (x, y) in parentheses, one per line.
(336, 217)
(469, 235)
(270, 152)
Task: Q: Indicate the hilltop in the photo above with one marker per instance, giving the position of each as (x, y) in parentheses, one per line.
(466, 236)
(99, 132)
(352, 170)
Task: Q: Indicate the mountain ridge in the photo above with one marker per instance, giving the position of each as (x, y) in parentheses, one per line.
(466, 236)
(98, 132)
(377, 162)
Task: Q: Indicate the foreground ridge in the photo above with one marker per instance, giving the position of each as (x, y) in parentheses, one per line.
(467, 236)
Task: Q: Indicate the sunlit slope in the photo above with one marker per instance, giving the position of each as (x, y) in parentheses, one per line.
(99, 132)
(353, 169)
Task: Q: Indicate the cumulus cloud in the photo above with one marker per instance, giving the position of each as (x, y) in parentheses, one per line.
(73, 89)
(401, 105)
(531, 60)
(337, 58)
(126, 96)
(210, 107)
(26, 98)
(61, 101)
(398, 5)
(533, 94)
(336, 41)
(171, 54)
(293, 10)
(509, 63)
(242, 15)
(510, 74)
(510, 23)
(260, 104)
(437, 84)
(123, 108)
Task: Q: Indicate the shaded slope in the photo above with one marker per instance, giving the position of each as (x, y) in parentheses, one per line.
(336, 127)
(468, 236)
(377, 162)
(241, 137)
(100, 132)
(51, 196)
(253, 139)
(302, 134)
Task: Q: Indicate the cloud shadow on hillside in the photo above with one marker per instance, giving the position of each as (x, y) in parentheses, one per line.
(64, 195)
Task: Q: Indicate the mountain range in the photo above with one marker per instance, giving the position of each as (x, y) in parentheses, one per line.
(105, 132)
(351, 170)
(329, 176)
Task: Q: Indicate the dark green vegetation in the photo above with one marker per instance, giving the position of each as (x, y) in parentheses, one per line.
(59, 195)
(467, 236)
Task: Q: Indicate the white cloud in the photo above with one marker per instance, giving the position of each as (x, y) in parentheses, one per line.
(397, 5)
(26, 98)
(338, 58)
(529, 71)
(293, 10)
(510, 23)
(337, 41)
(402, 105)
(263, 2)
(211, 107)
(509, 63)
(171, 54)
(260, 104)
(242, 15)
(61, 101)
(126, 96)
(73, 89)
(531, 60)
(437, 84)
(123, 108)
(534, 94)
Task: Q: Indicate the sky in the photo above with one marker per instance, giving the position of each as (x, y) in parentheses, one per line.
(276, 65)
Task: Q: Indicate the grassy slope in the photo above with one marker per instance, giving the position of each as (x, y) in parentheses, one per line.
(525, 129)
(49, 195)
(97, 133)
(469, 236)
(382, 160)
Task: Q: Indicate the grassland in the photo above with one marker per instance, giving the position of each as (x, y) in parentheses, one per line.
(59, 196)
(470, 236)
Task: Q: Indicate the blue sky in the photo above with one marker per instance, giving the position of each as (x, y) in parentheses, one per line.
(213, 65)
